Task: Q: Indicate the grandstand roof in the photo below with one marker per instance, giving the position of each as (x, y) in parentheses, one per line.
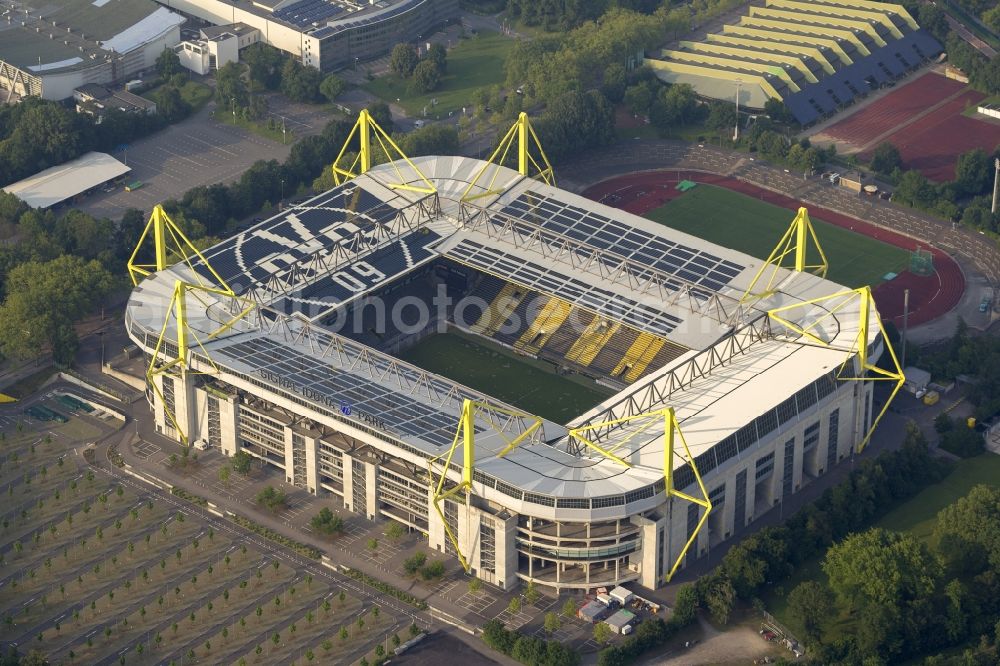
(65, 181)
(778, 51)
(62, 35)
(602, 259)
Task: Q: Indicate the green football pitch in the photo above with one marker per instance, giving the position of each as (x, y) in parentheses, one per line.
(745, 224)
(523, 382)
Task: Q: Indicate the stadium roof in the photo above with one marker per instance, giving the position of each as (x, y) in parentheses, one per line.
(65, 181)
(62, 35)
(778, 51)
(738, 374)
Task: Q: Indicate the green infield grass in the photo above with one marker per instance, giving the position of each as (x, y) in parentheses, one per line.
(745, 224)
(523, 382)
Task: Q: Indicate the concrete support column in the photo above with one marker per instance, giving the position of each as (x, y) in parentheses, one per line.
(348, 470)
(371, 485)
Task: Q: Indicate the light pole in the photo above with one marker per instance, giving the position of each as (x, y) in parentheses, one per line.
(996, 185)
(232, 101)
(282, 130)
(281, 202)
(736, 129)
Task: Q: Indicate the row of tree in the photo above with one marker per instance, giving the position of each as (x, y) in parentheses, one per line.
(265, 68)
(528, 650)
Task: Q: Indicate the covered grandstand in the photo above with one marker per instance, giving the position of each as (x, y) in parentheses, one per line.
(816, 57)
(738, 381)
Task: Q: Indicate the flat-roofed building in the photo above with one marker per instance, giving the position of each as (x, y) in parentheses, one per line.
(59, 184)
(56, 47)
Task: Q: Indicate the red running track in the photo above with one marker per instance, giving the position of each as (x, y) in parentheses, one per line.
(894, 109)
(933, 143)
(930, 297)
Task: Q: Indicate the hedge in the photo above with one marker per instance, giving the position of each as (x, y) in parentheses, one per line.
(386, 588)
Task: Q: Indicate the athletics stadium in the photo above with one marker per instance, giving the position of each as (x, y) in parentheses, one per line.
(727, 382)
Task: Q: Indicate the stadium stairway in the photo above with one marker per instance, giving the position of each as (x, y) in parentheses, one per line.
(517, 321)
(499, 310)
(614, 351)
(638, 357)
(586, 348)
(549, 319)
(560, 342)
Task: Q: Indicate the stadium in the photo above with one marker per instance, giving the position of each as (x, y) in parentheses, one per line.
(723, 383)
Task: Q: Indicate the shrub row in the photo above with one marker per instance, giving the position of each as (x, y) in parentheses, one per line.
(386, 588)
(302, 549)
(188, 497)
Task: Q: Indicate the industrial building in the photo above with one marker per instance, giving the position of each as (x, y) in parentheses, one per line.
(817, 56)
(327, 34)
(51, 49)
(737, 381)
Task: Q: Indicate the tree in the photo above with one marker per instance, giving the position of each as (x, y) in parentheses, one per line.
(394, 531)
(327, 522)
(639, 97)
(569, 608)
(230, 89)
(241, 462)
(264, 64)
(721, 117)
(974, 172)
(403, 60)
(515, 605)
(438, 56)
(224, 473)
(43, 300)
(720, 599)
(913, 189)
(531, 593)
(426, 76)
(886, 158)
(168, 64)
(430, 140)
(880, 568)
(686, 605)
(299, 82)
(602, 633)
(615, 82)
(552, 622)
(272, 498)
(811, 603)
(331, 87)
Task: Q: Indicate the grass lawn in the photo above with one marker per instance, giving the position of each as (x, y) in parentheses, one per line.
(916, 516)
(473, 63)
(194, 93)
(528, 384)
(743, 223)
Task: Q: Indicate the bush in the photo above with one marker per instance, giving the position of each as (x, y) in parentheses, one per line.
(327, 522)
(412, 564)
(188, 497)
(962, 441)
(268, 533)
(272, 498)
(433, 571)
(386, 588)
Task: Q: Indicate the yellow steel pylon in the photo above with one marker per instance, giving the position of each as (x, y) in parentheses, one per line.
(671, 433)
(524, 134)
(466, 435)
(168, 239)
(180, 362)
(859, 346)
(366, 128)
(794, 243)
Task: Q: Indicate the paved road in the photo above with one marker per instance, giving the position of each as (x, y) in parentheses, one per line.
(968, 36)
(196, 151)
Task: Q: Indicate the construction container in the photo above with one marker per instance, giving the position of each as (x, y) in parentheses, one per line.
(931, 398)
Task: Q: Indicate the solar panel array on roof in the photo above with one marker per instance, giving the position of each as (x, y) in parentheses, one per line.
(307, 12)
(361, 275)
(318, 225)
(372, 17)
(692, 265)
(353, 393)
(548, 281)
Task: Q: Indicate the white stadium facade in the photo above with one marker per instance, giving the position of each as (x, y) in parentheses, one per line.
(270, 343)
